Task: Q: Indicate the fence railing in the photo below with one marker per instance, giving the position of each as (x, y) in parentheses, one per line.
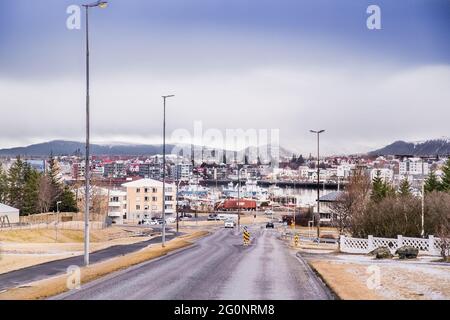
(431, 245)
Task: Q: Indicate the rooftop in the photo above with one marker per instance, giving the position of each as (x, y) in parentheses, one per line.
(6, 209)
(142, 183)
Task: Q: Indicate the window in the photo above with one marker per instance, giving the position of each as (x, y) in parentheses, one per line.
(169, 198)
(138, 190)
(138, 207)
(154, 199)
(146, 190)
(154, 190)
(169, 189)
(146, 199)
(154, 207)
(145, 208)
(168, 206)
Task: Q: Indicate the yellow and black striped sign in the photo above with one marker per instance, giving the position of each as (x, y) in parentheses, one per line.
(246, 237)
(296, 239)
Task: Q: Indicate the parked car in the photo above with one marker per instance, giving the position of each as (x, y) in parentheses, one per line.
(268, 212)
(270, 225)
(186, 215)
(171, 220)
(213, 217)
(229, 224)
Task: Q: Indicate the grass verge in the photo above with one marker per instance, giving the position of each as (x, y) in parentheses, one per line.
(344, 285)
(56, 285)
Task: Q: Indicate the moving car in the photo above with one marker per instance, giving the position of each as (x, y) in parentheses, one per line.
(270, 225)
(268, 212)
(229, 224)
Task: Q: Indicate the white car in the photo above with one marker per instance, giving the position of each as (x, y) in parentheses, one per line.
(229, 224)
(171, 220)
(268, 212)
(154, 223)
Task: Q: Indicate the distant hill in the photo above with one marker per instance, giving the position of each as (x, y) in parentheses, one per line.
(433, 147)
(68, 148)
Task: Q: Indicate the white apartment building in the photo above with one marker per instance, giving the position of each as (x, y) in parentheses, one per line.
(387, 175)
(413, 166)
(345, 170)
(144, 199)
(117, 206)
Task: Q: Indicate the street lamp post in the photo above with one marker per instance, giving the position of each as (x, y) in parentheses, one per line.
(318, 179)
(57, 220)
(239, 198)
(100, 4)
(164, 172)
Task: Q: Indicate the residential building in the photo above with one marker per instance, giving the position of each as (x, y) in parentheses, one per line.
(78, 170)
(114, 169)
(145, 199)
(386, 175)
(150, 170)
(182, 171)
(117, 206)
(414, 166)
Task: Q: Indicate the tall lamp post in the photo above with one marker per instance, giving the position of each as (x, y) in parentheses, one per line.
(318, 179)
(164, 172)
(102, 5)
(239, 198)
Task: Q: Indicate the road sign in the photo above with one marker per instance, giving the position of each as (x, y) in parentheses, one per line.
(246, 237)
(296, 239)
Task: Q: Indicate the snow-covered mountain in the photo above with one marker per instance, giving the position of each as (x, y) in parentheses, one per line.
(432, 147)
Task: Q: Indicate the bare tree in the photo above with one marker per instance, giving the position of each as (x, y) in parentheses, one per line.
(352, 202)
(46, 193)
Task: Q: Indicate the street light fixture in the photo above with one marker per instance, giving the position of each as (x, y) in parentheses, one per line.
(164, 172)
(318, 179)
(102, 5)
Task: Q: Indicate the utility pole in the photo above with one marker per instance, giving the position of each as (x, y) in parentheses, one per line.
(318, 179)
(100, 4)
(164, 172)
(239, 198)
(422, 233)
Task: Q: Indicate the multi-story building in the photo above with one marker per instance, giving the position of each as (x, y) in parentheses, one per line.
(150, 170)
(414, 166)
(117, 206)
(114, 169)
(386, 175)
(78, 170)
(145, 199)
(182, 171)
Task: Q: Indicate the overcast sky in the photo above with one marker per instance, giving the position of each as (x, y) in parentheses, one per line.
(290, 65)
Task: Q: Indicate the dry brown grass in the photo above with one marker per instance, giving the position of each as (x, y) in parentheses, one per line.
(346, 285)
(57, 285)
(64, 236)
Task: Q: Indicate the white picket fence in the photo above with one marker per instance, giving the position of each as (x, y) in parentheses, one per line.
(431, 245)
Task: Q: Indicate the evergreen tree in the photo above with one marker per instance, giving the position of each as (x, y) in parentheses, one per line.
(68, 201)
(30, 191)
(445, 185)
(380, 189)
(53, 173)
(432, 183)
(3, 186)
(16, 184)
(405, 188)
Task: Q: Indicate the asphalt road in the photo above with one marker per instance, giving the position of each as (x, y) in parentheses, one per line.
(42, 271)
(216, 267)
